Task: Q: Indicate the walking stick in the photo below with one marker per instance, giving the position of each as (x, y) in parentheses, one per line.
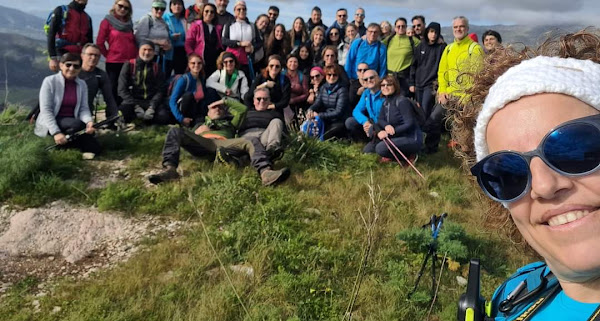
(389, 142)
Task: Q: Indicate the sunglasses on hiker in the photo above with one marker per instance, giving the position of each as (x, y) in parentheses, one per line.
(572, 149)
(70, 64)
(122, 7)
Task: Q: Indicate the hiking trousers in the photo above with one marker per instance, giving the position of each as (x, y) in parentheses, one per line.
(269, 137)
(86, 143)
(199, 146)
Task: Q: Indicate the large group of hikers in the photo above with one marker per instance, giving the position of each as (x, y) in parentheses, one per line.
(526, 119)
(235, 87)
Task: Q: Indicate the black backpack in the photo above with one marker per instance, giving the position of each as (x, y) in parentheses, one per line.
(419, 112)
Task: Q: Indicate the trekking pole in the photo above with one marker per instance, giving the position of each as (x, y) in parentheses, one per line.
(389, 142)
(435, 223)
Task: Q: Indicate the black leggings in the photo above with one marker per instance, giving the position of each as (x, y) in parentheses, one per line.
(113, 70)
(178, 63)
(85, 143)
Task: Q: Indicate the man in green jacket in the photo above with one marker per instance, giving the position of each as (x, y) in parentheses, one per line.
(218, 131)
(400, 48)
(461, 56)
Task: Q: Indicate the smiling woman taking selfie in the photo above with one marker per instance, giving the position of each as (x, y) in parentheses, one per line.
(536, 150)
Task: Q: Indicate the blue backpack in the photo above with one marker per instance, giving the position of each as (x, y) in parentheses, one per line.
(63, 20)
(314, 128)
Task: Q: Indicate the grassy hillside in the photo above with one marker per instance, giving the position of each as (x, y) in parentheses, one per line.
(23, 65)
(341, 215)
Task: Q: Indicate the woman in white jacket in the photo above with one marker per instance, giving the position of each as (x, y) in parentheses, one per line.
(64, 107)
(228, 80)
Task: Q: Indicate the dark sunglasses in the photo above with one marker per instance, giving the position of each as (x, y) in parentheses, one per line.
(70, 64)
(369, 78)
(342, 15)
(259, 99)
(275, 66)
(571, 149)
(122, 7)
(334, 34)
(159, 9)
(362, 70)
(315, 76)
(228, 61)
(332, 75)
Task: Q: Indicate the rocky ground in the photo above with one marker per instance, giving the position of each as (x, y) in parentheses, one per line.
(63, 240)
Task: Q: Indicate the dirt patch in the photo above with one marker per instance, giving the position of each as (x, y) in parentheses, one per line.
(63, 240)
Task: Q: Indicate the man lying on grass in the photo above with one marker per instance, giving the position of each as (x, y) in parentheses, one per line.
(218, 131)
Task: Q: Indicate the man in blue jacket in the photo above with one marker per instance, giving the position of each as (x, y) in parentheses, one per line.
(366, 112)
(370, 51)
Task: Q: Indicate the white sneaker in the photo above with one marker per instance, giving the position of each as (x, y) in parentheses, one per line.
(88, 156)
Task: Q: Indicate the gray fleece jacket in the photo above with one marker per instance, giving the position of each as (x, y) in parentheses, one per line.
(51, 96)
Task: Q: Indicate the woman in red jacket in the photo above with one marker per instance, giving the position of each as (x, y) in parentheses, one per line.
(116, 30)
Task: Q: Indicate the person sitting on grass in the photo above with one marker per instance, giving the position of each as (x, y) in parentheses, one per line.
(263, 123)
(396, 121)
(277, 83)
(209, 139)
(366, 112)
(190, 97)
(331, 104)
(142, 88)
(64, 108)
(97, 80)
(228, 80)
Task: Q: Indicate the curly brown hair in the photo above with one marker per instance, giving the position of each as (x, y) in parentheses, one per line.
(584, 45)
(220, 59)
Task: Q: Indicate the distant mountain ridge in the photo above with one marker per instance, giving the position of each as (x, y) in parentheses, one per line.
(527, 35)
(22, 23)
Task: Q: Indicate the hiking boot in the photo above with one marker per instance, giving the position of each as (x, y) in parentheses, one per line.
(271, 177)
(139, 111)
(413, 158)
(149, 114)
(223, 156)
(169, 174)
(275, 154)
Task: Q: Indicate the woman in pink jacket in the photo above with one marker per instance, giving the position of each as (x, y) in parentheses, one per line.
(116, 30)
(204, 38)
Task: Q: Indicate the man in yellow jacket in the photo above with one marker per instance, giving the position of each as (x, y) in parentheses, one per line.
(462, 56)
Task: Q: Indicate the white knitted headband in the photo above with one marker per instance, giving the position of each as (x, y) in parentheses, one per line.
(569, 76)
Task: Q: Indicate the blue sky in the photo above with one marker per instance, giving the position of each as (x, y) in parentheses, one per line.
(480, 12)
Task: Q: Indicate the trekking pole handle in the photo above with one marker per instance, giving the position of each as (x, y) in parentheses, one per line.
(471, 305)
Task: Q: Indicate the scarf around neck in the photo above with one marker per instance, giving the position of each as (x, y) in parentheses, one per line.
(118, 24)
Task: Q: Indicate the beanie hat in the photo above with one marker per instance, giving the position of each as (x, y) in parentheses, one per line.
(146, 42)
(573, 77)
(228, 54)
(319, 69)
(239, 3)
